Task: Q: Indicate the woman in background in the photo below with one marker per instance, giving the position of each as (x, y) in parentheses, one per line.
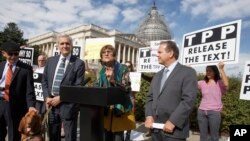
(213, 87)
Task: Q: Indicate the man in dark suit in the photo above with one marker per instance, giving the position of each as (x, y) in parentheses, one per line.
(64, 69)
(17, 90)
(171, 96)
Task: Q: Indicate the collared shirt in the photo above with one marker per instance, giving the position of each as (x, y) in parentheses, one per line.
(171, 68)
(2, 80)
(58, 64)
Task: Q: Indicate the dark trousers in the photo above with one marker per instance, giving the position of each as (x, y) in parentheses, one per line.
(55, 122)
(3, 130)
(160, 135)
(40, 106)
(114, 136)
(12, 123)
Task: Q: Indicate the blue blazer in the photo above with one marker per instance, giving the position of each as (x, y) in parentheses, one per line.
(73, 76)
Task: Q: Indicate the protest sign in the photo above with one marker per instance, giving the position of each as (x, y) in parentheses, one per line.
(26, 55)
(135, 78)
(144, 56)
(38, 86)
(245, 85)
(94, 45)
(211, 45)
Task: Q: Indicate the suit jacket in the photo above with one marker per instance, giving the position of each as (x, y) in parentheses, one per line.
(74, 75)
(21, 91)
(175, 101)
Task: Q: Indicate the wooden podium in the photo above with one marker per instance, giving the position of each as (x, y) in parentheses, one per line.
(92, 101)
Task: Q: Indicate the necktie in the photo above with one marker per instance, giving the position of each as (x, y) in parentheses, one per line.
(164, 77)
(58, 78)
(7, 82)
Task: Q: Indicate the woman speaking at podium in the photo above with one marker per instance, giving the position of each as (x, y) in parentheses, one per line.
(117, 118)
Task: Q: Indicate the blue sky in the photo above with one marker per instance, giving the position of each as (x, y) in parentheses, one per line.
(37, 17)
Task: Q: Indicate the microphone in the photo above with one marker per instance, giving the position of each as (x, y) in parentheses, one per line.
(124, 87)
(86, 81)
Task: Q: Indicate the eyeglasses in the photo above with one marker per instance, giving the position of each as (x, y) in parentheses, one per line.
(108, 51)
(13, 53)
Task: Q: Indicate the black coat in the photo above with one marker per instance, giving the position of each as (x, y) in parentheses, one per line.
(22, 95)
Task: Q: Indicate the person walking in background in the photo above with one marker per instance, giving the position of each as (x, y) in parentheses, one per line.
(40, 105)
(212, 88)
(17, 95)
(132, 97)
(171, 96)
(63, 69)
(118, 118)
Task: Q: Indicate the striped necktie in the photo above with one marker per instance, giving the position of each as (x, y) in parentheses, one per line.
(8, 79)
(164, 77)
(58, 78)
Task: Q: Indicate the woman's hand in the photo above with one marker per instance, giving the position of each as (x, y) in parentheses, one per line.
(109, 73)
(221, 65)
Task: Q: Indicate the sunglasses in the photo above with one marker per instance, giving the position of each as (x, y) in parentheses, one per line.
(13, 53)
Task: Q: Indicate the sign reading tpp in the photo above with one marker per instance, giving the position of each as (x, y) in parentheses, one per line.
(239, 132)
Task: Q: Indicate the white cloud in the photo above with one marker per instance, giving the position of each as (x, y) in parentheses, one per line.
(104, 14)
(126, 2)
(51, 11)
(132, 15)
(221, 9)
(37, 17)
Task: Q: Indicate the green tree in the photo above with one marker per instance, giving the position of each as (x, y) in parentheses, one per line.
(11, 32)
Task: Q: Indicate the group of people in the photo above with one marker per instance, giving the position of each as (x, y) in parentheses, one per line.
(18, 96)
(170, 100)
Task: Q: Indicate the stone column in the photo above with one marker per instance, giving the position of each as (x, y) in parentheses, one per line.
(133, 56)
(128, 59)
(42, 46)
(47, 48)
(136, 56)
(124, 54)
(119, 52)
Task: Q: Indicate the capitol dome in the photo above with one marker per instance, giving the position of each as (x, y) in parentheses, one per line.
(153, 27)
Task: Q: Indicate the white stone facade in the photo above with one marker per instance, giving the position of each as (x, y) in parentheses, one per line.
(126, 45)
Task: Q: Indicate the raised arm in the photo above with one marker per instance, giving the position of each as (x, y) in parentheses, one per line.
(224, 77)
